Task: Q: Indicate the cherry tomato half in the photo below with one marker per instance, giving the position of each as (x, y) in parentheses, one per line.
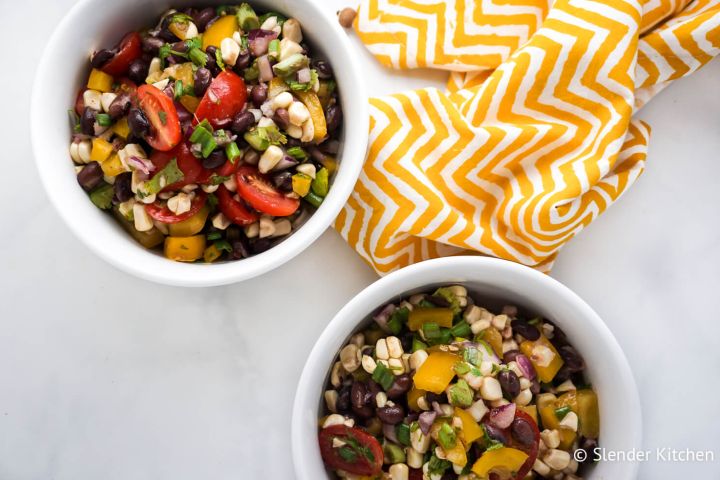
(362, 455)
(257, 190)
(130, 49)
(224, 98)
(163, 117)
(193, 171)
(235, 211)
(162, 213)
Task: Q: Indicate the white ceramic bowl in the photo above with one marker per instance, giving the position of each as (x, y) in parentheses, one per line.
(94, 24)
(496, 282)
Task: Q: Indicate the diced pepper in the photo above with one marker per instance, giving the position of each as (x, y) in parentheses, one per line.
(211, 254)
(588, 413)
(100, 81)
(112, 166)
(494, 339)
(437, 372)
(276, 86)
(530, 410)
(181, 71)
(325, 92)
(471, 430)
(301, 184)
(330, 163)
(185, 249)
(121, 128)
(321, 182)
(506, 460)
(533, 350)
(101, 150)
(220, 29)
(456, 454)
(420, 316)
(317, 115)
(190, 103)
(413, 396)
(547, 403)
(190, 226)
(150, 239)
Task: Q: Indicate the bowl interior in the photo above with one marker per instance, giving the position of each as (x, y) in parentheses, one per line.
(492, 283)
(61, 74)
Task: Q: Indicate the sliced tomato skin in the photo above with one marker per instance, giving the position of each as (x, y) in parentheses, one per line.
(130, 49)
(166, 132)
(224, 98)
(228, 168)
(162, 213)
(191, 167)
(235, 211)
(256, 189)
(362, 465)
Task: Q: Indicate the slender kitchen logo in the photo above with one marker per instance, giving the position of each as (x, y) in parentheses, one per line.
(665, 455)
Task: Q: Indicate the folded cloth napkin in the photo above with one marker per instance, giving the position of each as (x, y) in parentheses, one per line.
(533, 138)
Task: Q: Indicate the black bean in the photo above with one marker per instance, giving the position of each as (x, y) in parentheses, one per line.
(363, 412)
(233, 233)
(406, 340)
(283, 181)
(242, 122)
(293, 142)
(342, 405)
(535, 386)
(242, 62)
(357, 394)
(573, 360)
(184, 116)
(562, 375)
(138, 71)
(559, 338)
(214, 160)
(373, 388)
(120, 106)
(203, 17)
(240, 249)
(152, 45)
(282, 118)
(261, 245)
(202, 79)
(121, 187)
(400, 386)
(87, 121)
(90, 176)
(323, 69)
(259, 94)
(435, 397)
(332, 147)
(439, 301)
(139, 124)
(101, 58)
(510, 356)
(391, 414)
(509, 382)
(525, 329)
(522, 431)
(211, 64)
(333, 117)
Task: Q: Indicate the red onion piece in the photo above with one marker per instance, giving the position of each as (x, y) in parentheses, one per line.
(426, 420)
(390, 433)
(303, 75)
(286, 162)
(502, 417)
(525, 366)
(142, 164)
(265, 69)
(383, 316)
(260, 41)
(260, 33)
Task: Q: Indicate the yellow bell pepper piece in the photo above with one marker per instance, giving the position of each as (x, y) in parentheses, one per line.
(189, 226)
(456, 454)
(301, 184)
(412, 398)
(150, 239)
(502, 460)
(494, 339)
(530, 410)
(185, 249)
(100, 81)
(211, 254)
(101, 150)
(112, 167)
(545, 372)
(276, 86)
(330, 163)
(420, 316)
(190, 103)
(471, 430)
(317, 115)
(547, 403)
(588, 413)
(121, 128)
(437, 372)
(220, 29)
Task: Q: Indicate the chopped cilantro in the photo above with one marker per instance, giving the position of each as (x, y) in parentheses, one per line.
(163, 117)
(383, 376)
(447, 437)
(216, 179)
(561, 412)
(460, 394)
(170, 173)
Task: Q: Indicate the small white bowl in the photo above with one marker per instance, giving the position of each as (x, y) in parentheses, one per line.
(94, 24)
(497, 282)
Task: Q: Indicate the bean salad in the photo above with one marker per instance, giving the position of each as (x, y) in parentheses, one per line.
(212, 135)
(440, 388)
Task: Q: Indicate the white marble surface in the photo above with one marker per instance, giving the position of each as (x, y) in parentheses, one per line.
(106, 376)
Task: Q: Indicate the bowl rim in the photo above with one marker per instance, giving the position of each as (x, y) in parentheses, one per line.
(356, 311)
(139, 261)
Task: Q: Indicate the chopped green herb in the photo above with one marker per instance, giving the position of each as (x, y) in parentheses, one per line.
(274, 48)
(103, 119)
(393, 453)
(495, 446)
(216, 179)
(437, 466)
(313, 199)
(561, 412)
(402, 431)
(279, 16)
(260, 138)
(181, 18)
(302, 87)
(198, 57)
(195, 42)
(297, 153)
(252, 72)
(232, 152)
(170, 173)
(163, 117)
(290, 65)
(461, 330)
(460, 394)
(219, 60)
(447, 437)
(472, 355)
(223, 245)
(451, 298)
(397, 319)
(214, 236)
(461, 368)
(212, 200)
(535, 321)
(383, 376)
(418, 344)
(321, 186)
(102, 196)
(178, 89)
(203, 136)
(347, 454)
(488, 441)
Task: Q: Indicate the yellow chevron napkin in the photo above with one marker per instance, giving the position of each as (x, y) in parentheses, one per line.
(533, 138)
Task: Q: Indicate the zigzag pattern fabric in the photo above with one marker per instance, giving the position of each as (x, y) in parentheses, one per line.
(534, 136)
